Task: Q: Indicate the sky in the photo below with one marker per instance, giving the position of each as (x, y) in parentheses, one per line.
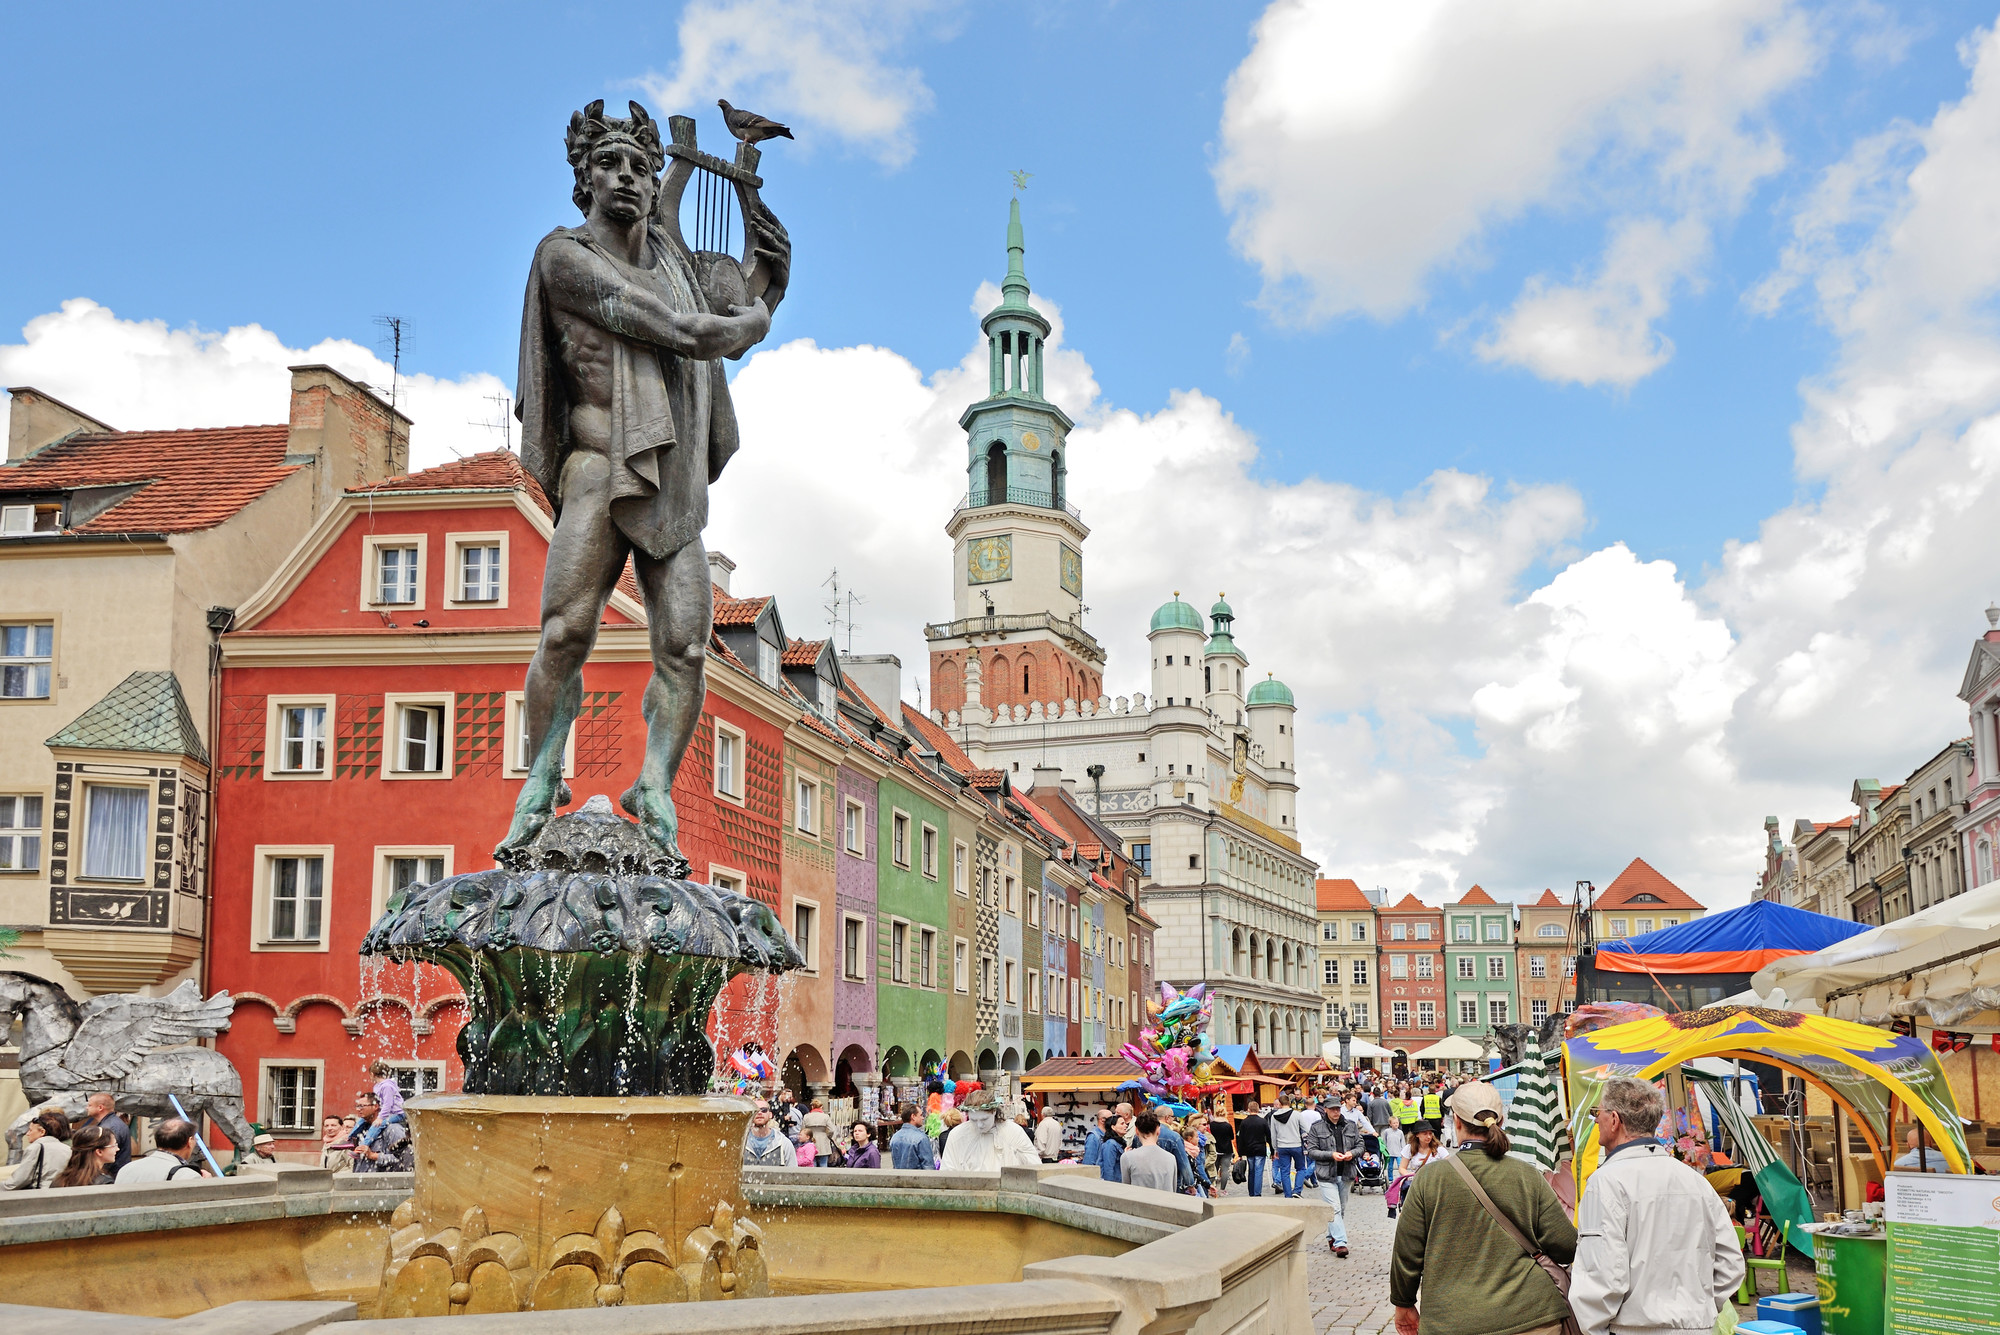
(1591, 411)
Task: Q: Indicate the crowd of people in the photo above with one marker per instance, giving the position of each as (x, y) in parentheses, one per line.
(96, 1150)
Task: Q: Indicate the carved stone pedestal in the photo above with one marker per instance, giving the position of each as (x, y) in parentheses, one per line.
(538, 1203)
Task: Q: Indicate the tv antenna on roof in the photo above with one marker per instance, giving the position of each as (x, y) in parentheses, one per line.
(834, 617)
(392, 334)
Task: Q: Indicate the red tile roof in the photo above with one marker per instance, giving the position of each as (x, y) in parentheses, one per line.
(1549, 901)
(188, 480)
(492, 470)
(732, 611)
(938, 740)
(1341, 896)
(1640, 879)
(1476, 896)
(802, 653)
(1411, 904)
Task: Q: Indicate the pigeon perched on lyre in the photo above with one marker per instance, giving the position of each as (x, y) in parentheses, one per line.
(749, 126)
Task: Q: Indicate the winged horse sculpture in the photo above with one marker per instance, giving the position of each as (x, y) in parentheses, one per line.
(139, 1049)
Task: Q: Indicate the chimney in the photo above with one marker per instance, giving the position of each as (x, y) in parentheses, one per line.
(719, 568)
(1047, 777)
(346, 431)
(877, 676)
(38, 421)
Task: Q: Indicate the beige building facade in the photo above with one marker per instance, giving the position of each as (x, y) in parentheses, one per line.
(1348, 958)
(124, 554)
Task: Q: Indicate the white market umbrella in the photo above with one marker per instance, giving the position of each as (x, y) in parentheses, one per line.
(1455, 1048)
(1357, 1047)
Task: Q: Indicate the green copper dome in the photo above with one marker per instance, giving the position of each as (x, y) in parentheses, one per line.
(1222, 610)
(1271, 691)
(1220, 638)
(1177, 615)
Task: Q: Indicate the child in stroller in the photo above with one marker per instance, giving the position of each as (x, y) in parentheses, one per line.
(1368, 1174)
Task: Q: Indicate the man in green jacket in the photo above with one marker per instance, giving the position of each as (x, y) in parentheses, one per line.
(1474, 1279)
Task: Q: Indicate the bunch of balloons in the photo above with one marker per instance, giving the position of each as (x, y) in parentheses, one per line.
(1170, 1050)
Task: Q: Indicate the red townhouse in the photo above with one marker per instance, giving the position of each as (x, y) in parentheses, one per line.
(1410, 938)
(371, 736)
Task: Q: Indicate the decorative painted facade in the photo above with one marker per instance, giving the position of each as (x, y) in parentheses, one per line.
(1348, 958)
(1479, 965)
(1978, 829)
(1410, 935)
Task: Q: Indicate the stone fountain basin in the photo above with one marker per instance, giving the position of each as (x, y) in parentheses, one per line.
(1048, 1249)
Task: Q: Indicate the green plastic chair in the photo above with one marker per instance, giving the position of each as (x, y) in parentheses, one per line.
(1746, 1292)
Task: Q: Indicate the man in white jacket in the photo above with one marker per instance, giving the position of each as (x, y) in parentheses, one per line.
(1655, 1251)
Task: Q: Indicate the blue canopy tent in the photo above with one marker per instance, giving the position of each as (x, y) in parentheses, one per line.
(1699, 963)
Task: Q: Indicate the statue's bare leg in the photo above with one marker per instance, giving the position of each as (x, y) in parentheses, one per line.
(586, 556)
(680, 606)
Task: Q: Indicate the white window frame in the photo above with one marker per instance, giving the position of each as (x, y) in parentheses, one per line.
(1618, 927)
(371, 569)
(1551, 931)
(742, 755)
(1399, 967)
(1427, 1015)
(853, 828)
(961, 965)
(1399, 1015)
(1496, 968)
(1426, 967)
(514, 720)
(729, 878)
(899, 837)
(1641, 926)
(455, 545)
(1423, 931)
(1358, 1013)
(961, 858)
(1465, 1003)
(262, 857)
(419, 1069)
(770, 664)
(927, 850)
(1329, 970)
(899, 953)
(384, 880)
(1538, 966)
(1010, 896)
(1358, 975)
(81, 831)
(392, 732)
(1538, 1009)
(1010, 982)
(805, 805)
(274, 736)
(1463, 968)
(1359, 931)
(863, 939)
(267, 1095)
(808, 943)
(1496, 1011)
(925, 974)
(1399, 931)
(31, 621)
(12, 836)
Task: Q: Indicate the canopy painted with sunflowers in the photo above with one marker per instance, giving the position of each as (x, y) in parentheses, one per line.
(1860, 1067)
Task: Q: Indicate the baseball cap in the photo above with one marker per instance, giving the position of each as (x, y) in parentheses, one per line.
(1477, 1103)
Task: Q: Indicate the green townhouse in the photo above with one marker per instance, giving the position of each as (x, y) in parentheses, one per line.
(913, 976)
(1479, 965)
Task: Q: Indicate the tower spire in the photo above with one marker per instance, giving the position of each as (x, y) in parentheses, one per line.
(1014, 291)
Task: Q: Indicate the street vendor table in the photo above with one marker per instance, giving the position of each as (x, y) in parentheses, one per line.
(1852, 1274)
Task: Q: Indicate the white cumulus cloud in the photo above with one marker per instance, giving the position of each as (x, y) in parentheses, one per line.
(1367, 147)
(143, 374)
(825, 66)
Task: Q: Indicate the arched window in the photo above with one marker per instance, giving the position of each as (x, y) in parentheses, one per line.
(1242, 1026)
(1256, 959)
(1238, 962)
(1549, 929)
(996, 473)
(997, 674)
(1027, 682)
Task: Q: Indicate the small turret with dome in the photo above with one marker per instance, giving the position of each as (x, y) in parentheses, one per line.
(1223, 664)
(1273, 727)
(1177, 644)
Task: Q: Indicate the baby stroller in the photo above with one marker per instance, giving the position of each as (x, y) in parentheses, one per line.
(1368, 1174)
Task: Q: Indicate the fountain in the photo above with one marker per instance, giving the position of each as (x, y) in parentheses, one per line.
(580, 1167)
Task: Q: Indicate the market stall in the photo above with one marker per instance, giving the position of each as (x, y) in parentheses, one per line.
(1864, 1071)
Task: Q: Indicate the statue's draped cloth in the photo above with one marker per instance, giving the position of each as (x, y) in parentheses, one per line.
(672, 427)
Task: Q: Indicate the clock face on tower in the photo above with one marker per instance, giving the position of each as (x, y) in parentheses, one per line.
(989, 560)
(1072, 572)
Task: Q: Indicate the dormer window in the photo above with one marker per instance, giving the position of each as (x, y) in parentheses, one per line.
(767, 662)
(30, 517)
(826, 697)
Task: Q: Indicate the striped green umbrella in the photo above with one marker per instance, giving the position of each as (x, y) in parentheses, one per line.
(1534, 1118)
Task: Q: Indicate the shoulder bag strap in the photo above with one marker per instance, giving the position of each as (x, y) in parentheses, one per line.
(1555, 1272)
